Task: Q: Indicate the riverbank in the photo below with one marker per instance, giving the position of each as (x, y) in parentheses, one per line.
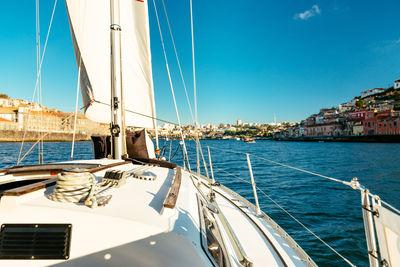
(30, 136)
(360, 139)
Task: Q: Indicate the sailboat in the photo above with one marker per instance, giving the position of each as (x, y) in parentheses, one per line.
(127, 207)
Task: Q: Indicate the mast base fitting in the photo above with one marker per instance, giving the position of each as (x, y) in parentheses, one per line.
(158, 152)
(115, 130)
(211, 196)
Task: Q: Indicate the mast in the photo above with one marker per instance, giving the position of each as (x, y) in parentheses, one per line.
(117, 103)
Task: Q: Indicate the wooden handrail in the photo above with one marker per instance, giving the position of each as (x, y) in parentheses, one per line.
(22, 190)
(172, 196)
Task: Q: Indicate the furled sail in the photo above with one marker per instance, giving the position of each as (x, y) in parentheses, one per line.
(90, 29)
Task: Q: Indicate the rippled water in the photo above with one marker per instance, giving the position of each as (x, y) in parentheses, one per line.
(331, 210)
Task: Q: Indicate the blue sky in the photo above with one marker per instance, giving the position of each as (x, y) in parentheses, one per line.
(253, 58)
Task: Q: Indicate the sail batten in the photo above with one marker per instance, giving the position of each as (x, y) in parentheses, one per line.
(90, 30)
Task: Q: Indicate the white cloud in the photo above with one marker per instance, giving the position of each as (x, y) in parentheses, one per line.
(314, 10)
(385, 45)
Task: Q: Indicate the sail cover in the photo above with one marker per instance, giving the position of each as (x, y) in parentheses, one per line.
(90, 30)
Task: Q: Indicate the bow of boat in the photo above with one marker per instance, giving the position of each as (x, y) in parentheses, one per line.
(159, 216)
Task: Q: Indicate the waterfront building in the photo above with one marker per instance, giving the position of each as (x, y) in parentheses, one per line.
(358, 128)
(385, 123)
(329, 129)
(22, 118)
(239, 122)
(8, 113)
(7, 124)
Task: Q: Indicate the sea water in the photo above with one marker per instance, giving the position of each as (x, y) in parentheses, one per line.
(331, 210)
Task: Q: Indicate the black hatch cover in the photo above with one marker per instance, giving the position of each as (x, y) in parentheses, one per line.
(35, 241)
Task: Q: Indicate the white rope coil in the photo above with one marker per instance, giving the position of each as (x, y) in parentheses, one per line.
(74, 187)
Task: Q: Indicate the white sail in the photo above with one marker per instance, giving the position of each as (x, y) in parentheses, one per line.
(90, 29)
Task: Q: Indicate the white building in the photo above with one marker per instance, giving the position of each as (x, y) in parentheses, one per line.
(396, 84)
(239, 122)
(5, 102)
(8, 114)
(372, 92)
(168, 126)
(319, 119)
(347, 106)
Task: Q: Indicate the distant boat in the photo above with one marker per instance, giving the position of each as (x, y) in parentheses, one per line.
(248, 139)
(237, 138)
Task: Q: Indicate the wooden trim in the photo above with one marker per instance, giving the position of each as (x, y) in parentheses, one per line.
(172, 196)
(30, 187)
(104, 167)
(49, 167)
(161, 163)
(22, 190)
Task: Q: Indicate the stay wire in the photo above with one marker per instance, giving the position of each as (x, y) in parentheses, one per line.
(170, 80)
(284, 165)
(305, 227)
(231, 174)
(309, 172)
(41, 138)
(37, 79)
(290, 215)
(177, 148)
(178, 61)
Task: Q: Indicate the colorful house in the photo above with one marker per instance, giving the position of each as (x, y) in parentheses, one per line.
(385, 123)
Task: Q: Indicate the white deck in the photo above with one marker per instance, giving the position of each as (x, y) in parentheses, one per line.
(134, 229)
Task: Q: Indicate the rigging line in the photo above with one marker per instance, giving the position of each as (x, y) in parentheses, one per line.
(37, 66)
(170, 145)
(204, 161)
(194, 68)
(76, 107)
(289, 214)
(197, 141)
(167, 66)
(43, 136)
(170, 79)
(177, 148)
(305, 171)
(177, 59)
(220, 169)
(40, 89)
(384, 202)
(138, 113)
(195, 90)
(38, 74)
(305, 227)
(287, 166)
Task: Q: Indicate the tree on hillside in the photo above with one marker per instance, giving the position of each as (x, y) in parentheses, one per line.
(396, 96)
(360, 103)
(3, 96)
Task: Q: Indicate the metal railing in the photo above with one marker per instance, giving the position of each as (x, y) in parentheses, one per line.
(369, 204)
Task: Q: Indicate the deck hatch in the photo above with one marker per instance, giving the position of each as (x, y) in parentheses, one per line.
(35, 241)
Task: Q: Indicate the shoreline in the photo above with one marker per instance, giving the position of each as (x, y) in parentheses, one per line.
(355, 139)
(11, 136)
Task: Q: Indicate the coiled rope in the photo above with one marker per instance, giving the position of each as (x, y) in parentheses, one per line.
(77, 187)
